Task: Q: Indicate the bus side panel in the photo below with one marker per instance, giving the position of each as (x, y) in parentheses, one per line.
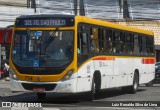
(146, 71)
(130, 73)
(84, 79)
(137, 65)
(123, 69)
(151, 71)
(109, 73)
(105, 67)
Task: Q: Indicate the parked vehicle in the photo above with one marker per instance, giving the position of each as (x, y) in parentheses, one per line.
(157, 72)
(150, 83)
(4, 71)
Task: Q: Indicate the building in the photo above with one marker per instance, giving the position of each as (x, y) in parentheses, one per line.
(152, 25)
(10, 9)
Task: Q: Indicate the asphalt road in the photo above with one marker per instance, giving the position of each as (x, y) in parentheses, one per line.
(112, 99)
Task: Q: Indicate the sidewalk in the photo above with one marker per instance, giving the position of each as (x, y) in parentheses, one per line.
(4, 81)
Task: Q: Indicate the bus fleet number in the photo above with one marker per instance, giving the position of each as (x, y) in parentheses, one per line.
(28, 78)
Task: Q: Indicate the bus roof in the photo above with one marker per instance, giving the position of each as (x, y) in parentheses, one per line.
(92, 21)
(46, 15)
(112, 25)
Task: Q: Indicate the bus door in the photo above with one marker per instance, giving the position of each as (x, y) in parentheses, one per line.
(84, 62)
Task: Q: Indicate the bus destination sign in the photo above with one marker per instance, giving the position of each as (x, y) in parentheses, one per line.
(44, 22)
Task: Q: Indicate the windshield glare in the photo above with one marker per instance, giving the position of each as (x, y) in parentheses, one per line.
(42, 48)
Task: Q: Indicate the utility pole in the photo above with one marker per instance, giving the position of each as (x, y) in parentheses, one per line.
(79, 7)
(124, 9)
(33, 5)
(121, 8)
(75, 7)
(28, 3)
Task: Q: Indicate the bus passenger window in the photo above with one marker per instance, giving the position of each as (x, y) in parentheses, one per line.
(109, 44)
(122, 39)
(144, 45)
(94, 40)
(140, 44)
(84, 43)
(136, 46)
(129, 43)
(114, 42)
(104, 40)
(93, 44)
(101, 40)
(118, 42)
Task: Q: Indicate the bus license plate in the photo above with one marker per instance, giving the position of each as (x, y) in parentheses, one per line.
(39, 89)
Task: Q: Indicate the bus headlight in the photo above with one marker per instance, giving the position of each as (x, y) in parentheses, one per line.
(68, 75)
(12, 74)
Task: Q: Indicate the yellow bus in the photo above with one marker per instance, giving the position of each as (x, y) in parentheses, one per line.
(77, 54)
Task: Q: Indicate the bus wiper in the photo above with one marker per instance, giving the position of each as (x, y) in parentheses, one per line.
(57, 28)
(52, 37)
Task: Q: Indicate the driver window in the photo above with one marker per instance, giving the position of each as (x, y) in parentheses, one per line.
(83, 43)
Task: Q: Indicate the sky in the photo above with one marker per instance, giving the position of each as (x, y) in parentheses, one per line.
(104, 9)
(101, 9)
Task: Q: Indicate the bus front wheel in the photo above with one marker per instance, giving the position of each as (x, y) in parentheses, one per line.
(41, 95)
(132, 89)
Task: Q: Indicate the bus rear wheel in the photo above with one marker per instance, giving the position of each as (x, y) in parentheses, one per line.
(133, 89)
(41, 95)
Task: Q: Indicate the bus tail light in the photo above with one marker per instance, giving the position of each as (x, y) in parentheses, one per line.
(68, 75)
(12, 74)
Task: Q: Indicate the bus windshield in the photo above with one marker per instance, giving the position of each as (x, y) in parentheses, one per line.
(42, 48)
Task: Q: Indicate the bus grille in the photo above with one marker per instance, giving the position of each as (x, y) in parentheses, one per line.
(48, 87)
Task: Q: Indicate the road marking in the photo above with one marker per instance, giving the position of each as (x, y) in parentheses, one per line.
(115, 108)
(51, 109)
(30, 108)
(18, 108)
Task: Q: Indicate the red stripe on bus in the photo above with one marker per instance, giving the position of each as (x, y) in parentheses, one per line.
(104, 58)
(101, 58)
(148, 61)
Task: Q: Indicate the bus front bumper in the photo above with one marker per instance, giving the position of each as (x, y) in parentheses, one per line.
(68, 86)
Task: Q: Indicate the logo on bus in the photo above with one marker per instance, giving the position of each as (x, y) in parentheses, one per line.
(36, 63)
(39, 78)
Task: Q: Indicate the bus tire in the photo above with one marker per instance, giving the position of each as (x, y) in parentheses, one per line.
(97, 80)
(41, 95)
(133, 89)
